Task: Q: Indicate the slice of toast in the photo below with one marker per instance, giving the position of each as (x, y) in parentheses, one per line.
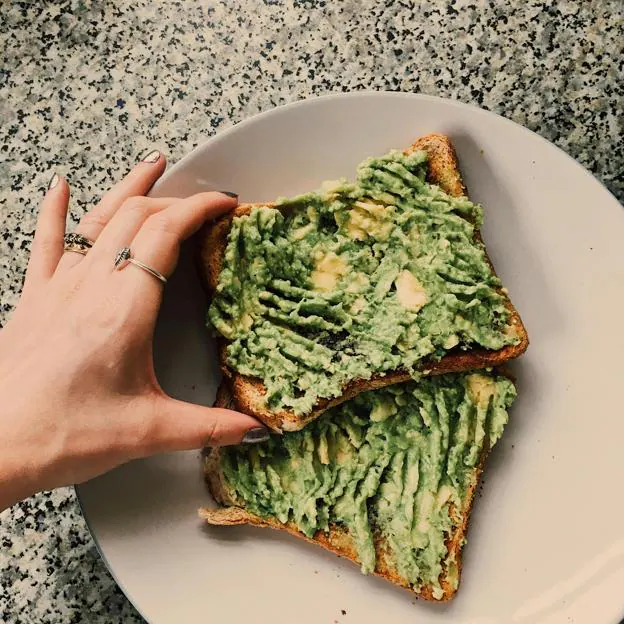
(248, 392)
(338, 539)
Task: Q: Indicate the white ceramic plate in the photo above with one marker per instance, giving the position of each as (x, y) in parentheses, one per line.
(546, 540)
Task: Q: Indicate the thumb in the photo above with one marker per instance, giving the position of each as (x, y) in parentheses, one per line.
(184, 426)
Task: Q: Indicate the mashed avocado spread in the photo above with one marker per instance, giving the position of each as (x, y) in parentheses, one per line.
(389, 463)
(353, 280)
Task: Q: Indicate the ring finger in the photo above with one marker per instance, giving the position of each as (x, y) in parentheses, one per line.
(138, 182)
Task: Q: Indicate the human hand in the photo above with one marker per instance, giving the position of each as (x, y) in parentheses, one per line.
(79, 392)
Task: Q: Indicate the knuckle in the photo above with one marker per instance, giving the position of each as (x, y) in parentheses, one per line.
(212, 432)
(136, 206)
(215, 433)
(46, 246)
(160, 223)
(91, 219)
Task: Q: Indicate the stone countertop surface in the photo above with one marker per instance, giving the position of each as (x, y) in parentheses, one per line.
(86, 86)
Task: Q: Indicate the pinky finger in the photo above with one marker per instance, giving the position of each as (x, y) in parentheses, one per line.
(47, 247)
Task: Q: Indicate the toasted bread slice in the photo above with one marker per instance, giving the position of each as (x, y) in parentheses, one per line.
(248, 392)
(338, 540)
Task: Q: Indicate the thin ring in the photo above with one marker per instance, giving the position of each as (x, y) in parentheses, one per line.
(124, 256)
(77, 243)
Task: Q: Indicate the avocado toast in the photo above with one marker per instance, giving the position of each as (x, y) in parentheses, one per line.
(357, 286)
(386, 479)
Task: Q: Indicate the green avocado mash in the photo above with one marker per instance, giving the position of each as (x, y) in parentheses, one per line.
(390, 462)
(353, 280)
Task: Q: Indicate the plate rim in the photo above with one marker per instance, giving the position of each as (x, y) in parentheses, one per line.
(241, 126)
(372, 94)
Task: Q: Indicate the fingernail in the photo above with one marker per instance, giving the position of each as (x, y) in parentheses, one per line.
(54, 181)
(255, 435)
(229, 194)
(152, 157)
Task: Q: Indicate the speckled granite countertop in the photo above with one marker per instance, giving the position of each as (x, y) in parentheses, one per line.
(87, 85)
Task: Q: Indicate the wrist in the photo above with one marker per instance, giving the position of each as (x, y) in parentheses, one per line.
(20, 471)
(14, 487)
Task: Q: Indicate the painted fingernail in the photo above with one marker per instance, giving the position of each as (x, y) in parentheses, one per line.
(53, 181)
(255, 435)
(152, 157)
(229, 194)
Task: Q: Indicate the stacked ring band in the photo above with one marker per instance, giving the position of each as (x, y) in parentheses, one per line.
(124, 256)
(77, 243)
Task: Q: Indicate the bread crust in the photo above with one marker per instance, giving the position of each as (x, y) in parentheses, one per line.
(337, 539)
(248, 392)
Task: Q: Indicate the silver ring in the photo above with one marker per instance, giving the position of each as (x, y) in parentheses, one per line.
(124, 256)
(77, 243)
